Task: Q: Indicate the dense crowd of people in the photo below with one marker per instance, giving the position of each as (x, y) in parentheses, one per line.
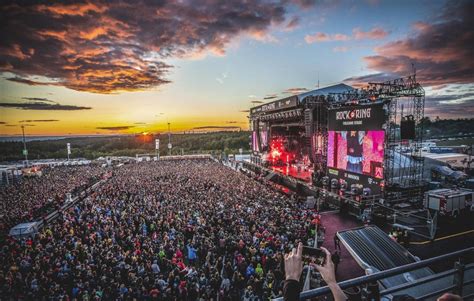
(181, 230)
(32, 198)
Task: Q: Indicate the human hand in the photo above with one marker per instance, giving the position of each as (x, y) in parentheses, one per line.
(294, 263)
(327, 269)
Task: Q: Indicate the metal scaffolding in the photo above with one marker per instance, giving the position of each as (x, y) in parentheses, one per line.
(403, 98)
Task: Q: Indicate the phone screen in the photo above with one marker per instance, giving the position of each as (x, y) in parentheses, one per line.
(313, 255)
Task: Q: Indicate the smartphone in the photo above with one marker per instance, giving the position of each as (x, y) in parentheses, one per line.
(312, 252)
(314, 255)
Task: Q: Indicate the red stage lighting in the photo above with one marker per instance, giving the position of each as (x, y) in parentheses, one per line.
(278, 153)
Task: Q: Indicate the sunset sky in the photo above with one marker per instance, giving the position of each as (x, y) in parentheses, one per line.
(128, 67)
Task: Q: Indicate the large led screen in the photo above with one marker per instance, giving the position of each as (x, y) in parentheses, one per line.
(255, 144)
(360, 152)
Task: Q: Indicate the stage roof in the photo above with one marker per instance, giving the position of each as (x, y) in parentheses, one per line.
(295, 100)
(338, 88)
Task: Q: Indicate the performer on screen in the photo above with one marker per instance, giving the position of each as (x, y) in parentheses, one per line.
(355, 150)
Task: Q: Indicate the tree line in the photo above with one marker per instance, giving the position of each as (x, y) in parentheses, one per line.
(127, 145)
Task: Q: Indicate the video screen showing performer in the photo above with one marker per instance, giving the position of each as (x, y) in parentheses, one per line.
(360, 152)
(355, 140)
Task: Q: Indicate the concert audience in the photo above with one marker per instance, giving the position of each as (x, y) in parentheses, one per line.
(35, 197)
(181, 230)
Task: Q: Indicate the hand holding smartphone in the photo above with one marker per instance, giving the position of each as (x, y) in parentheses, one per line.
(314, 255)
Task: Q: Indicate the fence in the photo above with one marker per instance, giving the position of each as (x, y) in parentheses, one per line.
(460, 279)
(421, 222)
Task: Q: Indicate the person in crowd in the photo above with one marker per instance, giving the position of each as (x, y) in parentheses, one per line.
(337, 243)
(394, 235)
(294, 268)
(336, 259)
(33, 198)
(406, 238)
(167, 230)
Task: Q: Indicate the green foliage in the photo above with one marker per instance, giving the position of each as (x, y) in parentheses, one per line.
(94, 147)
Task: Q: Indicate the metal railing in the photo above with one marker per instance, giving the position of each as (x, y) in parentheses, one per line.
(458, 271)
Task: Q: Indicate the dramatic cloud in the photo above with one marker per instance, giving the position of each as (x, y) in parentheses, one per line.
(39, 120)
(357, 34)
(228, 122)
(3, 122)
(450, 101)
(440, 51)
(294, 90)
(115, 128)
(256, 101)
(141, 123)
(361, 81)
(107, 47)
(244, 111)
(41, 106)
(452, 105)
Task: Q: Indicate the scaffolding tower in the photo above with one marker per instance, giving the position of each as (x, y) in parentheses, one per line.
(403, 99)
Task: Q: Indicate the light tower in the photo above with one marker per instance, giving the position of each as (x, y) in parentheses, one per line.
(169, 139)
(25, 151)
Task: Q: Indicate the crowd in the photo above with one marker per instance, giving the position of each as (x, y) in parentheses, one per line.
(181, 230)
(34, 197)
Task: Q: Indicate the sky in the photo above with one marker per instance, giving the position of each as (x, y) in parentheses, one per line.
(111, 67)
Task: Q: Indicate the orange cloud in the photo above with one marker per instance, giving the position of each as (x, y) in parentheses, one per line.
(76, 9)
(108, 47)
(294, 90)
(94, 33)
(340, 37)
(440, 51)
(357, 34)
(376, 33)
(317, 37)
(16, 51)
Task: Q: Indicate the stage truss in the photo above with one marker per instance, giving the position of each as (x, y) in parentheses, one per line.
(402, 99)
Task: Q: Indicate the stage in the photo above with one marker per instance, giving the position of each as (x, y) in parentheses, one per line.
(350, 136)
(293, 171)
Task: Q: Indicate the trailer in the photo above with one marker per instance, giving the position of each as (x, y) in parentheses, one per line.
(449, 202)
